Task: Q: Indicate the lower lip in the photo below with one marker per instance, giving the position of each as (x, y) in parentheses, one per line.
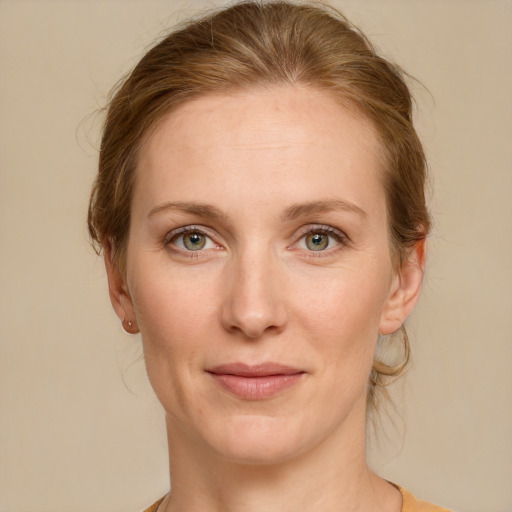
(256, 388)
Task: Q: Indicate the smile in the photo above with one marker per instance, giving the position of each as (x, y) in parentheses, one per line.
(255, 382)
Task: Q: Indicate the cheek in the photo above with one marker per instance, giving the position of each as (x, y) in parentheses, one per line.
(174, 316)
(171, 305)
(341, 313)
(174, 313)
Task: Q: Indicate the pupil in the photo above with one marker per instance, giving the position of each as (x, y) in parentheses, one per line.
(317, 242)
(194, 241)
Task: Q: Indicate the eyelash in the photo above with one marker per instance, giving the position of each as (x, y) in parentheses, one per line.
(341, 238)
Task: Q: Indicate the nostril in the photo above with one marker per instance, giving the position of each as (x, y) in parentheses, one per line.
(253, 325)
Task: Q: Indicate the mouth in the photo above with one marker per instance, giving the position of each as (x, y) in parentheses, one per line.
(255, 382)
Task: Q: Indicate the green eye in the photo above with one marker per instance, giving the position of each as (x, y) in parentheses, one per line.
(189, 239)
(194, 241)
(317, 241)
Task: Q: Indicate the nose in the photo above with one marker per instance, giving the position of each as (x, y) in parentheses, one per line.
(253, 304)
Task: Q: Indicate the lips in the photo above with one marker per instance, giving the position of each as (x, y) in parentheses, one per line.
(255, 382)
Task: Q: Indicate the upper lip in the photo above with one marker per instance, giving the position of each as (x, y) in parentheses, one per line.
(258, 370)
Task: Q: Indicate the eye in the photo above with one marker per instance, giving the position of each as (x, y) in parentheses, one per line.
(321, 238)
(190, 239)
(317, 241)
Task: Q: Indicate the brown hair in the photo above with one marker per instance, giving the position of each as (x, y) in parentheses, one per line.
(257, 44)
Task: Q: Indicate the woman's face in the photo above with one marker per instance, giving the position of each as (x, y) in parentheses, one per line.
(259, 271)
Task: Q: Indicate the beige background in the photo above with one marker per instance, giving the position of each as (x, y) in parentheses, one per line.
(79, 428)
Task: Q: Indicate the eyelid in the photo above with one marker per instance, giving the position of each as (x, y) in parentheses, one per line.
(183, 230)
(323, 228)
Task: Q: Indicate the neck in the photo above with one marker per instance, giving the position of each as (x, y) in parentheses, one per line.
(331, 476)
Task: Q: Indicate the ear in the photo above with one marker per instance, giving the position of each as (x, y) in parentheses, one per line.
(405, 290)
(118, 291)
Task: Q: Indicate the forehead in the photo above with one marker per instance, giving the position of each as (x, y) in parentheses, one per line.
(298, 140)
(256, 117)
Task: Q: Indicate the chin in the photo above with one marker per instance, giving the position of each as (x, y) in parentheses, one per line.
(258, 440)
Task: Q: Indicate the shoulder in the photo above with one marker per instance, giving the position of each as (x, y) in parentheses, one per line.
(155, 506)
(411, 504)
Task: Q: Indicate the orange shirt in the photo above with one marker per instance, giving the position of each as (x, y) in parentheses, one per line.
(409, 504)
(154, 506)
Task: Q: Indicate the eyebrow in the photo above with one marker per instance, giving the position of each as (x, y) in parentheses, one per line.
(314, 207)
(291, 213)
(201, 209)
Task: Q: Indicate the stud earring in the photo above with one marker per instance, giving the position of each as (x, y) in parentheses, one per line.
(130, 327)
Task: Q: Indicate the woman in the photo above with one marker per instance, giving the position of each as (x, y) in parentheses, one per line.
(260, 204)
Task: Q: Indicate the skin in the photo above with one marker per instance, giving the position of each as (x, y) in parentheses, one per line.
(273, 165)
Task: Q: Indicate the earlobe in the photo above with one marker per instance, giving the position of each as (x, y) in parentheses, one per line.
(405, 290)
(118, 291)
